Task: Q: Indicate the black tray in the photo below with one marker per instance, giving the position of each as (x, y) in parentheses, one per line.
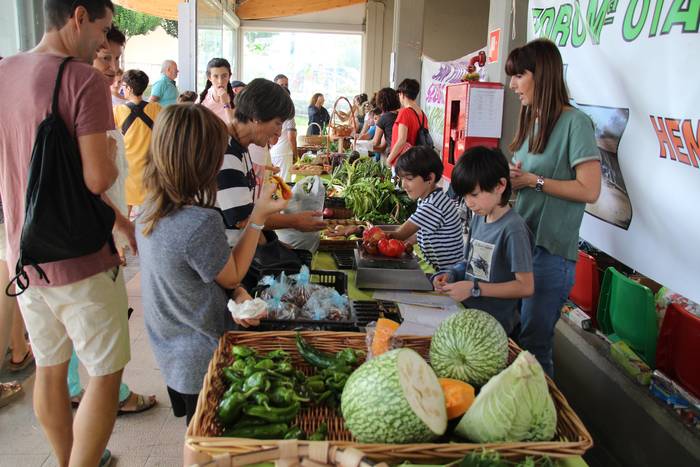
(345, 259)
(366, 311)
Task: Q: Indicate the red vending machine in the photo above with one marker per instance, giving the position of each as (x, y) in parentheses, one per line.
(473, 117)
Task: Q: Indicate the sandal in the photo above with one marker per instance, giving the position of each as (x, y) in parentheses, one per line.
(142, 404)
(9, 392)
(24, 363)
(75, 400)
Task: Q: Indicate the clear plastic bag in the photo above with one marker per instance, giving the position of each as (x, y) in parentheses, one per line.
(384, 340)
(327, 304)
(309, 194)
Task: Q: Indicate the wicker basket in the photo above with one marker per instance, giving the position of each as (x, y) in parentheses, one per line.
(312, 140)
(572, 438)
(341, 124)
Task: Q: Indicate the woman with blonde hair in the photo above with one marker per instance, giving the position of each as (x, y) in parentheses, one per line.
(188, 271)
(317, 114)
(555, 171)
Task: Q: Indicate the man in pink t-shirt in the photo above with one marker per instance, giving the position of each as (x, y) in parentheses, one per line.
(85, 305)
(407, 122)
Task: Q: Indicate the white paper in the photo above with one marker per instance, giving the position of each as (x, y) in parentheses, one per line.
(485, 112)
(425, 316)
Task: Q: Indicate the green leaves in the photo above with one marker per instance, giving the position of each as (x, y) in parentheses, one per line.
(132, 23)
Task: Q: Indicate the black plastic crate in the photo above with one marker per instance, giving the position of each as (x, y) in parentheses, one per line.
(345, 259)
(366, 311)
(336, 279)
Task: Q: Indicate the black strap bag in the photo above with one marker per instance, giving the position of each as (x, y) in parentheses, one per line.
(136, 112)
(423, 137)
(62, 218)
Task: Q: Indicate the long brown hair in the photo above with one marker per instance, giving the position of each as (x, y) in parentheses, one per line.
(314, 98)
(542, 58)
(186, 153)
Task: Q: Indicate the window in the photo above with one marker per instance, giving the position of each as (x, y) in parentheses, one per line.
(329, 63)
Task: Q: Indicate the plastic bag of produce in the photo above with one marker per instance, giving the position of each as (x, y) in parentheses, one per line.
(307, 195)
(381, 337)
(327, 304)
(274, 295)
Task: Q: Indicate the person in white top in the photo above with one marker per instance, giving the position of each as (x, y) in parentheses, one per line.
(282, 153)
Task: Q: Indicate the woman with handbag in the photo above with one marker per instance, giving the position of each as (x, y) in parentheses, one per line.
(410, 119)
(317, 114)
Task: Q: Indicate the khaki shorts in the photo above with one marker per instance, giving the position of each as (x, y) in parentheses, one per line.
(90, 315)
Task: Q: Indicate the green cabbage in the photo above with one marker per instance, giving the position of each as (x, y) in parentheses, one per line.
(515, 405)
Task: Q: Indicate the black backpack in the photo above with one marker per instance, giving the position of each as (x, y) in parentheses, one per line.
(423, 137)
(62, 218)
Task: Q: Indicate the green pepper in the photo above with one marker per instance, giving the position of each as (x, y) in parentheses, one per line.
(256, 381)
(236, 386)
(239, 366)
(265, 364)
(316, 386)
(245, 420)
(230, 407)
(348, 356)
(299, 376)
(241, 351)
(278, 354)
(325, 396)
(312, 355)
(273, 414)
(337, 385)
(295, 433)
(285, 368)
(230, 375)
(262, 399)
(270, 431)
(320, 434)
(249, 370)
(282, 396)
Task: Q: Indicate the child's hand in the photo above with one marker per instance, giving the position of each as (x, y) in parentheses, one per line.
(458, 291)
(267, 204)
(439, 282)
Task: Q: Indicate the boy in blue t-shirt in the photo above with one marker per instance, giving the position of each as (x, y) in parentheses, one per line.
(436, 221)
(498, 267)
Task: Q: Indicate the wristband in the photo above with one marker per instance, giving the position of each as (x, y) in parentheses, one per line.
(255, 226)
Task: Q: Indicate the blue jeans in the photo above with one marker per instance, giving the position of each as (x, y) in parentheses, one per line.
(75, 388)
(554, 277)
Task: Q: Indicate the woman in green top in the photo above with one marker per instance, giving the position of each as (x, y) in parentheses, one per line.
(556, 171)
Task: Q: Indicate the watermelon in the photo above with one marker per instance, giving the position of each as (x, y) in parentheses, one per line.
(471, 346)
(394, 398)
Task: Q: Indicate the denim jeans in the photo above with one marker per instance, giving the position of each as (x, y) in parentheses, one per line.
(554, 277)
(75, 388)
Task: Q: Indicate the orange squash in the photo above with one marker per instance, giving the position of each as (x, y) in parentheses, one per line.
(459, 396)
(382, 335)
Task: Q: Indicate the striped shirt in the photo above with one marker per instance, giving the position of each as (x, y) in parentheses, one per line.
(236, 182)
(439, 230)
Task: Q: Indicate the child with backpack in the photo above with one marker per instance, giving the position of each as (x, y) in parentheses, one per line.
(497, 270)
(411, 125)
(135, 121)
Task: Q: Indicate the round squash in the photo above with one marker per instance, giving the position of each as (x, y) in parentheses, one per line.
(459, 396)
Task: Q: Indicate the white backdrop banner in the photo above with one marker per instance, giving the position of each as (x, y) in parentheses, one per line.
(634, 67)
(435, 76)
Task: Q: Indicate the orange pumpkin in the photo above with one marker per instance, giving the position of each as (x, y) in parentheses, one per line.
(382, 335)
(459, 396)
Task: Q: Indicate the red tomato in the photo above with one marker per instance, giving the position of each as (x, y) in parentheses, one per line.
(373, 234)
(393, 248)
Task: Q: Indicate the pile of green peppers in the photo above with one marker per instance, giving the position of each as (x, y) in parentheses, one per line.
(334, 370)
(264, 396)
(266, 392)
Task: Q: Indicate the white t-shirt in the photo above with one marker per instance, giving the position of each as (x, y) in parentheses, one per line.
(284, 145)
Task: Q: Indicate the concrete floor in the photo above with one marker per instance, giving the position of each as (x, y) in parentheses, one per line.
(152, 438)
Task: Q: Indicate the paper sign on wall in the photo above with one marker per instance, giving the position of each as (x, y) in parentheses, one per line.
(494, 44)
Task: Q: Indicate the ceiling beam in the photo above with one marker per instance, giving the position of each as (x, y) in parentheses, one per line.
(264, 9)
(162, 8)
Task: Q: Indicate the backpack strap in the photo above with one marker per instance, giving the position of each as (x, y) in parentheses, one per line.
(57, 87)
(420, 123)
(136, 112)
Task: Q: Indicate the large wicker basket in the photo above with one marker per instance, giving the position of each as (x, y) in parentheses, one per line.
(572, 438)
